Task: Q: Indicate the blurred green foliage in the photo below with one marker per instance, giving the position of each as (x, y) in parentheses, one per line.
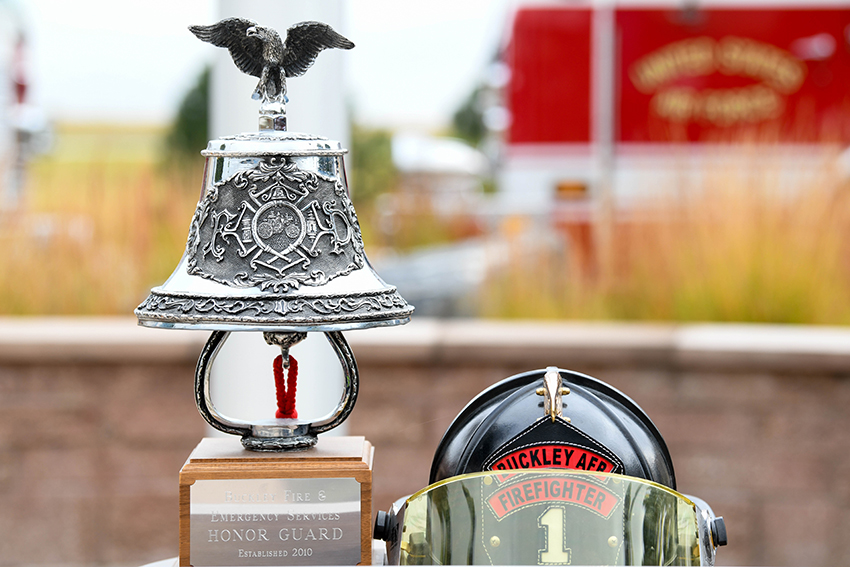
(468, 120)
(372, 169)
(189, 132)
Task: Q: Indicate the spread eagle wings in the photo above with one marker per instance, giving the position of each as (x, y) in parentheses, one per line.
(304, 41)
(232, 33)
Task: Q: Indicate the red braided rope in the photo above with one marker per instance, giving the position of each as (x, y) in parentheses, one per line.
(291, 384)
(285, 391)
(280, 386)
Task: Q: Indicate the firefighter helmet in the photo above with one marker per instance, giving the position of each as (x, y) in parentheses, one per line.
(551, 467)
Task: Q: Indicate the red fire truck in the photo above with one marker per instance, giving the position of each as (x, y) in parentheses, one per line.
(613, 100)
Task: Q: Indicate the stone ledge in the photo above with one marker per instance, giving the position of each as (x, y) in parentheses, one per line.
(108, 340)
(469, 341)
(569, 344)
(771, 347)
(94, 340)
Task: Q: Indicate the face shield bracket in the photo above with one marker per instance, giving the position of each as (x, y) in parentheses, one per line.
(712, 529)
(388, 528)
(718, 531)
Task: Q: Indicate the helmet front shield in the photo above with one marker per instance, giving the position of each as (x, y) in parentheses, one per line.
(549, 517)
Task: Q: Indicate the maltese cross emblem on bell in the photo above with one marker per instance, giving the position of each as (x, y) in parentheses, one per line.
(274, 245)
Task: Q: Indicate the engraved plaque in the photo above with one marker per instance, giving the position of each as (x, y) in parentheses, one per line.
(245, 508)
(294, 521)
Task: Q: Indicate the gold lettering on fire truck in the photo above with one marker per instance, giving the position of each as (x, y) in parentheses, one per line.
(686, 58)
(775, 71)
(719, 107)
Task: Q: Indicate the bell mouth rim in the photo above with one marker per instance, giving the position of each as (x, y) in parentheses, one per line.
(274, 312)
(267, 327)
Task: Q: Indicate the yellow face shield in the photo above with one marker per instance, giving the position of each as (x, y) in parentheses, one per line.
(551, 517)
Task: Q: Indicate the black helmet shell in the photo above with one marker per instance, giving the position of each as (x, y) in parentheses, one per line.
(601, 429)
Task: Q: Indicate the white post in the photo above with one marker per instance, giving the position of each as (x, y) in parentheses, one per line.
(602, 89)
(242, 379)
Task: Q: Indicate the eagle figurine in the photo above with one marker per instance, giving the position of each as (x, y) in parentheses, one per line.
(258, 50)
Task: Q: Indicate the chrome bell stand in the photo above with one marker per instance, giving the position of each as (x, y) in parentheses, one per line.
(274, 245)
(281, 434)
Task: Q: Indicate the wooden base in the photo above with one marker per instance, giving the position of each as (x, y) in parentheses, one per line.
(225, 459)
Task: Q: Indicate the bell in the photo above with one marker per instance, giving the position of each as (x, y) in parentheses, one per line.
(274, 245)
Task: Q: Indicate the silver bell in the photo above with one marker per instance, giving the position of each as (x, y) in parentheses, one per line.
(274, 245)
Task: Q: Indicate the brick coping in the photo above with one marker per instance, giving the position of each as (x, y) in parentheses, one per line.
(115, 340)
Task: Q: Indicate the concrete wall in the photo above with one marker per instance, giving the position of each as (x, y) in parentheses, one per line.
(97, 416)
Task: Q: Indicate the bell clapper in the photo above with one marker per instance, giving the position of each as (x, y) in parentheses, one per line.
(285, 341)
(285, 372)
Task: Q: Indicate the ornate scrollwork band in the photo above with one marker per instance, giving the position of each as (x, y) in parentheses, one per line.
(275, 227)
(270, 308)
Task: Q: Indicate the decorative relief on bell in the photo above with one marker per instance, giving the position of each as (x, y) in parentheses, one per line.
(275, 227)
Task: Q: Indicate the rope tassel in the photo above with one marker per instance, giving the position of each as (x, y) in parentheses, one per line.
(285, 391)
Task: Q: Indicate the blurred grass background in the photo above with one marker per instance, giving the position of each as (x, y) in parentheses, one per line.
(733, 243)
(103, 221)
